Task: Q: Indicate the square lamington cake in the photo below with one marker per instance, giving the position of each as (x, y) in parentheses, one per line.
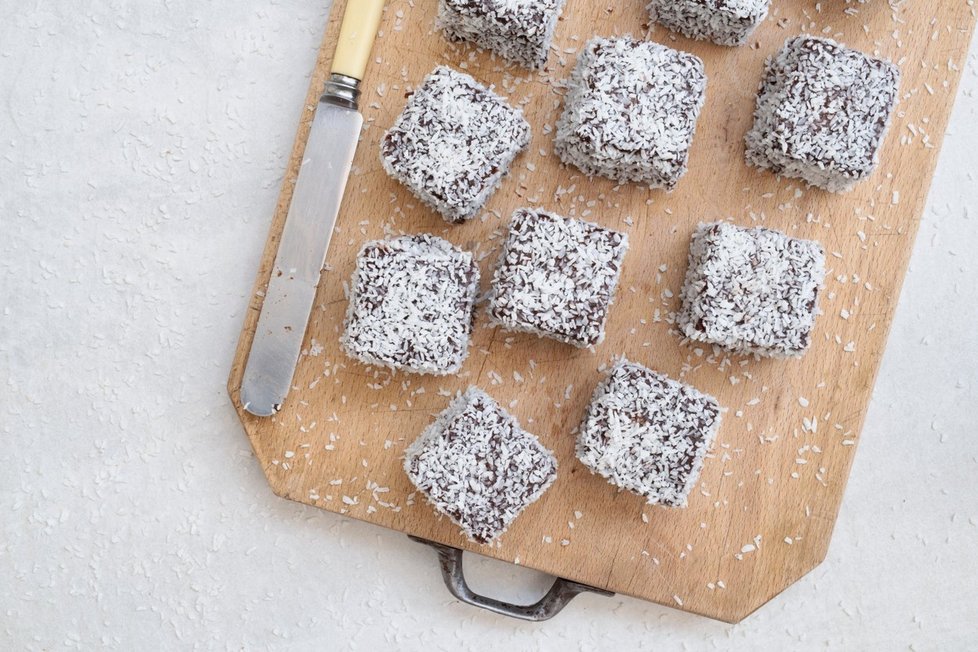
(453, 143)
(647, 433)
(727, 22)
(411, 305)
(476, 464)
(556, 277)
(520, 31)
(751, 290)
(630, 111)
(821, 113)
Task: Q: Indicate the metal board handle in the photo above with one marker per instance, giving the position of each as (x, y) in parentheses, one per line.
(562, 591)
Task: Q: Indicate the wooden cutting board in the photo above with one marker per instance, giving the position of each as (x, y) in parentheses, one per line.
(763, 512)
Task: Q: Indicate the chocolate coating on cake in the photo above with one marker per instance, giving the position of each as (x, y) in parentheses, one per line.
(751, 290)
(476, 464)
(647, 433)
(453, 143)
(411, 305)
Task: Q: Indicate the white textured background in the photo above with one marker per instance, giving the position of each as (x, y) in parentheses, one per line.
(142, 146)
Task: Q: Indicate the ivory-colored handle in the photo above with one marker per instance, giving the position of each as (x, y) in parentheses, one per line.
(361, 20)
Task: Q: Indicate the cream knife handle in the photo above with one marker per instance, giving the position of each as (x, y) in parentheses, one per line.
(361, 20)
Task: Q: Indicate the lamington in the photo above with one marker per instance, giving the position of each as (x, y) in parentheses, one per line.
(647, 433)
(630, 111)
(821, 114)
(476, 465)
(725, 22)
(411, 305)
(556, 277)
(751, 290)
(453, 143)
(519, 31)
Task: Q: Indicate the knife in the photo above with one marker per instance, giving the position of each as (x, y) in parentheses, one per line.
(312, 215)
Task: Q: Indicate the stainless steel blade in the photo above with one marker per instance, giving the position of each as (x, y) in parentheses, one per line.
(301, 255)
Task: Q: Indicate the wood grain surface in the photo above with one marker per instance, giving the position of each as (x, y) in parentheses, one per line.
(762, 515)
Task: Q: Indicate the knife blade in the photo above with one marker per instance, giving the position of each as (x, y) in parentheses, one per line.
(312, 214)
